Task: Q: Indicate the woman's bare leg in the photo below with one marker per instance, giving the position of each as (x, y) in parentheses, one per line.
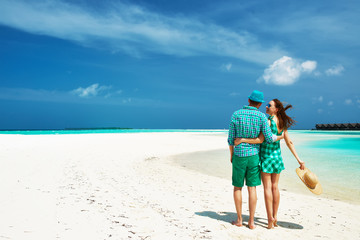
(266, 179)
(276, 195)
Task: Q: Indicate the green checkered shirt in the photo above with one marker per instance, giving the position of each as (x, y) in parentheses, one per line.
(248, 122)
(270, 153)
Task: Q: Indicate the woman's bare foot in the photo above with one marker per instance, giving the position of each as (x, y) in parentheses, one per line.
(275, 223)
(271, 223)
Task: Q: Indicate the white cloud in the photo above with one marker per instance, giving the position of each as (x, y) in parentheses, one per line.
(234, 94)
(308, 66)
(348, 101)
(286, 71)
(226, 67)
(134, 30)
(335, 70)
(90, 91)
(319, 99)
(319, 111)
(127, 100)
(41, 95)
(330, 103)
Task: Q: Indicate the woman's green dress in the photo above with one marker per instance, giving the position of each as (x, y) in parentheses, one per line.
(270, 153)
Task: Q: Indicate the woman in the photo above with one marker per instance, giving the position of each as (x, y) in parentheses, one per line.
(270, 157)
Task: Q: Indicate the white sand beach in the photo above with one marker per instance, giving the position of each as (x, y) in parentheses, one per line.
(124, 186)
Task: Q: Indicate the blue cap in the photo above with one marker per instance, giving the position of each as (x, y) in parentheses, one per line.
(257, 96)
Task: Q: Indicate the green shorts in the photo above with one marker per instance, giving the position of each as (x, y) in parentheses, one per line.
(246, 168)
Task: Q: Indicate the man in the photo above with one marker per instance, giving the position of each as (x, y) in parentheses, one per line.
(247, 122)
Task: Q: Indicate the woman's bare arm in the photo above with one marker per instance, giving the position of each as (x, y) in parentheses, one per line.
(291, 146)
(260, 139)
(257, 140)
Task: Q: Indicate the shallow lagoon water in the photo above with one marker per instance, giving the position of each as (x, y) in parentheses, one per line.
(333, 156)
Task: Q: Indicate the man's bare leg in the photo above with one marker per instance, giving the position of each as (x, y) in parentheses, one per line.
(252, 206)
(238, 206)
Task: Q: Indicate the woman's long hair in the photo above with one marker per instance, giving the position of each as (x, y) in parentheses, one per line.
(284, 120)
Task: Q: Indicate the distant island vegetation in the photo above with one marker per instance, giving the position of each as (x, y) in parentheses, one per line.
(338, 126)
(102, 128)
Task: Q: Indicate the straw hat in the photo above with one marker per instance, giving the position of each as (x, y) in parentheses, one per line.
(310, 180)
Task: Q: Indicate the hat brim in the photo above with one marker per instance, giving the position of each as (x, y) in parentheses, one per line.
(255, 100)
(318, 188)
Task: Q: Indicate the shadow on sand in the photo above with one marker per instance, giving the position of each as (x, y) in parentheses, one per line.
(230, 216)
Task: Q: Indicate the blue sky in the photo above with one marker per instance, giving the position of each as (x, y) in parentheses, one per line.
(175, 64)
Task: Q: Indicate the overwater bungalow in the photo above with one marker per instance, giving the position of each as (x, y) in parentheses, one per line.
(338, 126)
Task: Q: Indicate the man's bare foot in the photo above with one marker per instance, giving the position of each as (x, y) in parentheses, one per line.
(237, 223)
(251, 226)
(270, 226)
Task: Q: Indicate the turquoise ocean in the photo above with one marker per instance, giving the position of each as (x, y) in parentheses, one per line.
(99, 131)
(334, 156)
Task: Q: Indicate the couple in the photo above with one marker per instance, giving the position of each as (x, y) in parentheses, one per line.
(248, 129)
